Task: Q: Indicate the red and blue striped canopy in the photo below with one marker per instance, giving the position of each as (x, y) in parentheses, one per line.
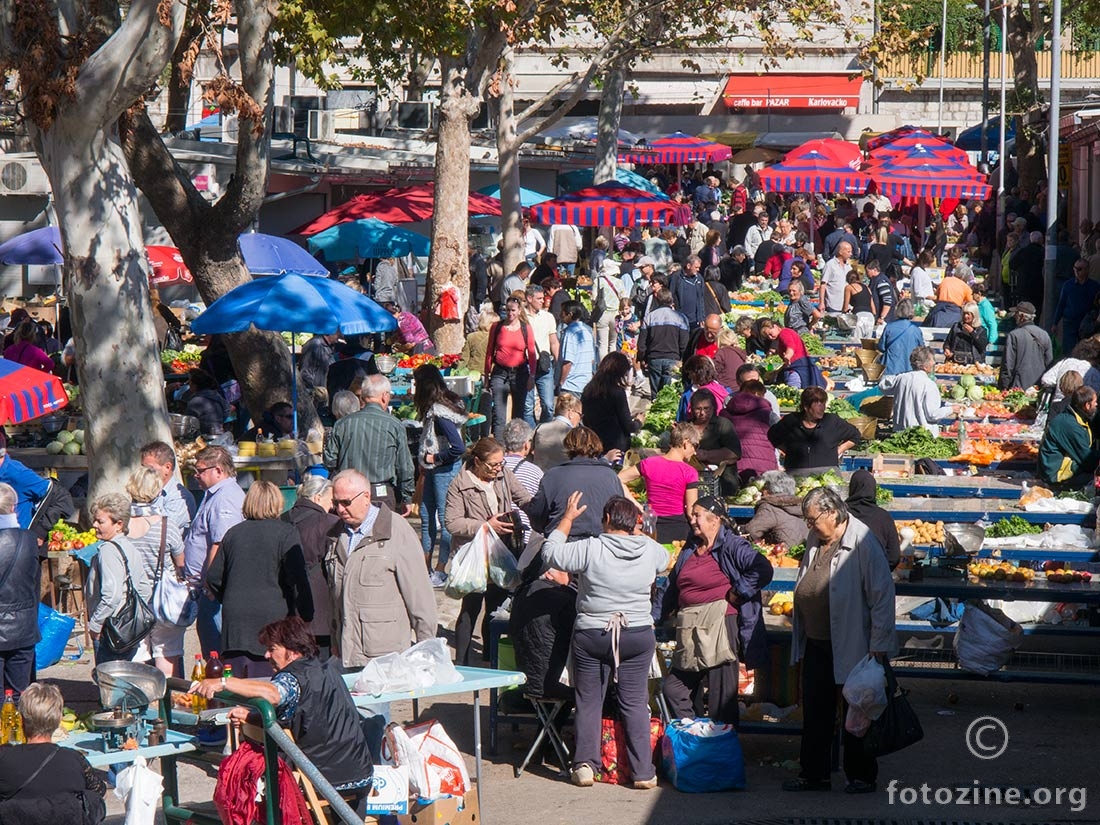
(813, 172)
(678, 148)
(931, 179)
(611, 204)
(840, 150)
(921, 158)
(26, 393)
(885, 137)
(924, 143)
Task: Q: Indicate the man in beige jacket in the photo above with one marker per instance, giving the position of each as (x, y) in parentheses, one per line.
(382, 598)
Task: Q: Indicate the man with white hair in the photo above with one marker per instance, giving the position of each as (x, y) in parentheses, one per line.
(374, 442)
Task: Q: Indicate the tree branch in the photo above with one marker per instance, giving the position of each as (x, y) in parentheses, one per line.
(124, 67)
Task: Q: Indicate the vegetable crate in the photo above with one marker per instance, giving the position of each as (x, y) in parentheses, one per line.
(891, 466)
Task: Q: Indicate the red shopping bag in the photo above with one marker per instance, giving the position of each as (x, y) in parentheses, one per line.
(614, 759)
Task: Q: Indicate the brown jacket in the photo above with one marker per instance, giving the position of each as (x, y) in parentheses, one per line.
(382, 598)
(468, 508)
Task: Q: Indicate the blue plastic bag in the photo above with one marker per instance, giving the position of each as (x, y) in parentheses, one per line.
(702, 764)
(55, 629)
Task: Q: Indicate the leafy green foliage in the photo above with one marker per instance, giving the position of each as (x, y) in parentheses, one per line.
(1012, 526)
(662, 412)
(917, 442)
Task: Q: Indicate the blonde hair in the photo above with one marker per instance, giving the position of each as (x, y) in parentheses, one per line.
(116, 506)
(41, 706)
(1070, 381)
(486, 320)
(144, 485)
(262, 501)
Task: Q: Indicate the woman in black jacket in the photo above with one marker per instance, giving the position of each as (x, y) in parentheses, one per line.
(605, 408)
(259, 576)
(812, 438)
(19, 591)
(861, 504)
(586, 471)
(966, 339)
(310, 515)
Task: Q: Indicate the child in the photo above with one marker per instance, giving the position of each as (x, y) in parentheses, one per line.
(626, 337)
(986, 312)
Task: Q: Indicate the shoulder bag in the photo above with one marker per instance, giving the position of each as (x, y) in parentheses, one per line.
(702, 640)
(898, 727)
(134, 621)
(174, 602)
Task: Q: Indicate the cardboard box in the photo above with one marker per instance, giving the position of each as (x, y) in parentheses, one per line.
(447, 811)
(390, 792)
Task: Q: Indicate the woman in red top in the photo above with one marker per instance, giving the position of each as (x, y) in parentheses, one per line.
(510, 364)
(24, 351)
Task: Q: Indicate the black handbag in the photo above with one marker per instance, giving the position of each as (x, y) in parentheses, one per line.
(898, 727)
(134, 621)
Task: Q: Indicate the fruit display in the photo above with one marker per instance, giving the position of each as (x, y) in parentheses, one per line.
(917, 442)
(180, 361)
(411, 362)
(987, 431)
(787, 396)
(965, 369)
(1003, 571)
(781, 604)
(67, 442)
(1011, 526)
(982, 452)
(834, 362)
(63, 536)
(777, 554)
(1015, 400)
(924, 532)
(1058, 574)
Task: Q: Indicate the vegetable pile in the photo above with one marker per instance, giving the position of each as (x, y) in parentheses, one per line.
(411, 362)
(662, 412)
(842, 408)
(917, 442)
(1011, 526)
(787, 396)
(814, 345)
(180, 361)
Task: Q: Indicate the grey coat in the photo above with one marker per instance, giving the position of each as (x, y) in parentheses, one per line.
(1028, 354)
(861, 600)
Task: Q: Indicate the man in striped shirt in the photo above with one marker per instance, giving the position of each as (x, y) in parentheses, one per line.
(517, 445)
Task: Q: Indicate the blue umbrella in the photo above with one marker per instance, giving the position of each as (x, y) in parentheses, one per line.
(582, 178)
(527, 197)
(368, 238)
(294, 303)
(39, 247)
(272, 255)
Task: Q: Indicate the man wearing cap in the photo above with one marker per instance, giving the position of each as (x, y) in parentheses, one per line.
(1075, 301)
(642, 288)
(1028, 351)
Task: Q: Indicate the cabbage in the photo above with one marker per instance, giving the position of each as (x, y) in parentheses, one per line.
(967, 380)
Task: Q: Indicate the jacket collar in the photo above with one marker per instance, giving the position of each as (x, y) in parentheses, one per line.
(382, 530)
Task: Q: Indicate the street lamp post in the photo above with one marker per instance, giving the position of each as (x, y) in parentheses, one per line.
(943, 61)
(987, 44)
(1052, 162)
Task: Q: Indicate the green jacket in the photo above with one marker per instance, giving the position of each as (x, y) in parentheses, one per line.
(373, 442)
(1067, 448)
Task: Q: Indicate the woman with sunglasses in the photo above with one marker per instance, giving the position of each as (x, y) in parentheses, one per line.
(483, 493)
(843, 612)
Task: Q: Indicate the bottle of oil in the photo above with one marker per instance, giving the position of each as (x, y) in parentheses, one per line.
(214, 668)
(9, 719)
(198, 673)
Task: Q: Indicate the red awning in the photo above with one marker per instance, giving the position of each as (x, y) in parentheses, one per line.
(792, 91)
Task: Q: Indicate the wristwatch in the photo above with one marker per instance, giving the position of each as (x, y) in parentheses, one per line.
(225, 680)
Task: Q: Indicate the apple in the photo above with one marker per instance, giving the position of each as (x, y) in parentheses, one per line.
(78, 544)
(57, 535)
(66, 545)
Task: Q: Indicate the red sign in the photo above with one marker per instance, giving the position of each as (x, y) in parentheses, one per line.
(792, 91)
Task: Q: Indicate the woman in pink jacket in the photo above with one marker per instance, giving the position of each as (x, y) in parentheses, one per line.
(24, 351)
(750, 413)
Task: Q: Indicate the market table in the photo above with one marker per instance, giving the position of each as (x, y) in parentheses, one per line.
(965, 510)
(474, 680)
(90, 744)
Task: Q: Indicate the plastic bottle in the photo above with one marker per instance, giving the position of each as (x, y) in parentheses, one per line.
(228, 672)
(649, 521)
(198, 673)
(214, 667)
(964, 439)
(9, 719)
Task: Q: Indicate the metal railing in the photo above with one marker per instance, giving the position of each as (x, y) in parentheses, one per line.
(1076, 65)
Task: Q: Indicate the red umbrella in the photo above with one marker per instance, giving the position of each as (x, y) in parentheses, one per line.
(167, 266)
(678, 148)
(611, 204)
(919, 141)
(928, 179)
(398, 205)
(838, 150)
(813, 171)
(884, 138)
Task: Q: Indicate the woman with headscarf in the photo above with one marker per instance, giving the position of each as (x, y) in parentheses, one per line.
(714, 590)
(861, 504)
(843, 612)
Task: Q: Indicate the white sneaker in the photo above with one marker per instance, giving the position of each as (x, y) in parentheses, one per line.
(582, 776)
(438, 579)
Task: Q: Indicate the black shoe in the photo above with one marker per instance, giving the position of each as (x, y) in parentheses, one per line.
(859, 786)
(802, 784)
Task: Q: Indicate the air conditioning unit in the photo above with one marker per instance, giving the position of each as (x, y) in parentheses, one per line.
(415, 115)
(283, 119)
(23, 176)
(229, 128)
(322, 125)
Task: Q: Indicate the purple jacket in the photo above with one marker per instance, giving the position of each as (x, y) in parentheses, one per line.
(750, 415)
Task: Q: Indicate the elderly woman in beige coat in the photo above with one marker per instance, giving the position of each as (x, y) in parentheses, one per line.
(483, 493)
(843, 612)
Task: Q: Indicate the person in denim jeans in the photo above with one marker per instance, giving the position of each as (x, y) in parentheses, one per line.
(510, 362)
(662, 341)
(441, 448)
(545, 329)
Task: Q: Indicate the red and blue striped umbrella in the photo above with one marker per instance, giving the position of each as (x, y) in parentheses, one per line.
(611, 204)
(923, 157)
(928, 179)
(922, 142)
(678, 148)
(26, 393)
(847, 153)
(814, 172)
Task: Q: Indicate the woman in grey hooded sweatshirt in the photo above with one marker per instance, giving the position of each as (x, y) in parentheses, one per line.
(613, 635)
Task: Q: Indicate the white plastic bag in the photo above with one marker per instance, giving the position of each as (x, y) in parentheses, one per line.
(865, 692)
(435, 764)
(986, 638)
(432, 661)
(140, 787)
(503, 569)
(424, 664)
(468, 570)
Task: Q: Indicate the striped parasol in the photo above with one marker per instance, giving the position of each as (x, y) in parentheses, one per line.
(840, 150)
(929, 179)
(813, 172)
(611, 204)
(678, 148)
(26, 393)
(919, 141)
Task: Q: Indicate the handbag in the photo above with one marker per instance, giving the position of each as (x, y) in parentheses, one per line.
(702, 640)
(134, 621)
(173, 602)
(544, 364)
(898, 727)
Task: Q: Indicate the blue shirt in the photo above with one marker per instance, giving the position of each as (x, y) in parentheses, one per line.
(899, 338)
(578, 349)
(29, 486)
(1075, 300)
(220, 509)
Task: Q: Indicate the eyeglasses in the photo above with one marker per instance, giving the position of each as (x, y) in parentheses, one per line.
(200, 470)
(495, 465)
(811, 522)
(346, 502)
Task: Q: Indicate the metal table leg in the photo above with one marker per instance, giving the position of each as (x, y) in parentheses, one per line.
(477, 748)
